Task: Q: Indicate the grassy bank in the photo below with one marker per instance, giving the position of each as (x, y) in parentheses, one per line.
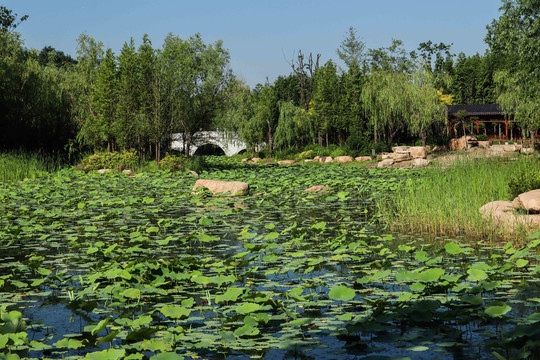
(446, 200)
(20, 165)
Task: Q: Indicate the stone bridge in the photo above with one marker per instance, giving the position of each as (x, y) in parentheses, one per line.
(230, 145)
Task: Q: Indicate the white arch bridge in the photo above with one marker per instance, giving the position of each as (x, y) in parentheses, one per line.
(230, 144)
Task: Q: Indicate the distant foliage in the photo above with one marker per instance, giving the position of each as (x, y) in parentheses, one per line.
(110, 160)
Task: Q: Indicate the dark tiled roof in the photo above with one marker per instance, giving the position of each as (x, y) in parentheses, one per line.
(476, 109)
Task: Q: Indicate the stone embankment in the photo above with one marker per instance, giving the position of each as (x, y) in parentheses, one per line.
(402, 156)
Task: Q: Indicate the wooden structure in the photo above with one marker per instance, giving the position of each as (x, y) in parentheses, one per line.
(486, 119)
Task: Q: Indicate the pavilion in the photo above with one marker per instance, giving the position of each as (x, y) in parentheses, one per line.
(483, 119)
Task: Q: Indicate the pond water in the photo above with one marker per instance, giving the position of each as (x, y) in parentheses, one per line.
(111, 267)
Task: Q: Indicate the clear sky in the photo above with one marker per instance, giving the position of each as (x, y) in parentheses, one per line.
(261, 35)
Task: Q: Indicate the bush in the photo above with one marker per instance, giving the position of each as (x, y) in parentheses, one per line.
(305, 155)
(481, 137)
(438, 140)
(285, 154)
(126, 159)
(173, 162)
(318, 150)
(198, 163)
(525, 178)
(338, 152)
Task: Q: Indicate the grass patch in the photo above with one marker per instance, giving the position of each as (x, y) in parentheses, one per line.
(15, 165)
(446, 200)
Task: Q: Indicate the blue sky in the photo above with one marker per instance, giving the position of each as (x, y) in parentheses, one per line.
(262, 36)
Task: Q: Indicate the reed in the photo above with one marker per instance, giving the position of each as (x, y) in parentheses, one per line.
(446, 200)
(18, 165)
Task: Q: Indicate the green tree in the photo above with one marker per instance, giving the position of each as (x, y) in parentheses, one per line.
(292, 129)
(351, 51)
(325, 107)
(125, 127)
(8, 19)
(195, 76)
(266, 112)
(105, 102)
(385, 102)
(152, 127)
(426, 110)
(515, 35)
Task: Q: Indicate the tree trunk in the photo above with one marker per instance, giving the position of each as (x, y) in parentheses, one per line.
(424, 137)
(270, 140)
(157, 154)
(188, 144)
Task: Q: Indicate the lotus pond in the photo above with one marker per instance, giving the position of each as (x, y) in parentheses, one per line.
(112, 267)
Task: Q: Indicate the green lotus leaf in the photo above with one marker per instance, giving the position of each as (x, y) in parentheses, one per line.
(341, 293)
(497, 309)
(174, 311)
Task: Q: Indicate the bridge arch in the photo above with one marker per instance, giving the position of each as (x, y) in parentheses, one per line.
(230, 145)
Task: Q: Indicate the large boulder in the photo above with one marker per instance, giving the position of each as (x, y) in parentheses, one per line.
(462, 143)
(344, 159)
(326, 159)
(529, 201)
(255, 160)
(363, 158)
(417, 152)
(385, 163)
(401, 149)
(103, 171)
(527, 151)
(496, 148)
(317, 158)
(503, 214)
(510, 148)
(385, 156)
(419, 162)
(484, 144)
(230, 188)
(317, 188)
(398, 157)
(286, 162)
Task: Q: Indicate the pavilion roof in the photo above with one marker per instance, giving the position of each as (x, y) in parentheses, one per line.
(476, 109)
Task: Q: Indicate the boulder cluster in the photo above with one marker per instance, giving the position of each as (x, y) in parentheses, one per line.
(405, 155)
(524, 210)
(321, 159)
(471, 143)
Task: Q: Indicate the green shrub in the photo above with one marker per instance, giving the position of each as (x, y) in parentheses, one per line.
(338, 152)
(199, 163)
(285, 153)
(305, 155)
(126, 159)
(525, 177)
(317, 150)
(481, 137)
(173, 162)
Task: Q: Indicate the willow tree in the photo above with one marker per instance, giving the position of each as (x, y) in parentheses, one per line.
(426, 108)
(386, 103)
(293, 125)
(519, 100)
(195, 76)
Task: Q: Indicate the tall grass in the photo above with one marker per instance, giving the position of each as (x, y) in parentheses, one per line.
(18, 165)
(447, 200)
